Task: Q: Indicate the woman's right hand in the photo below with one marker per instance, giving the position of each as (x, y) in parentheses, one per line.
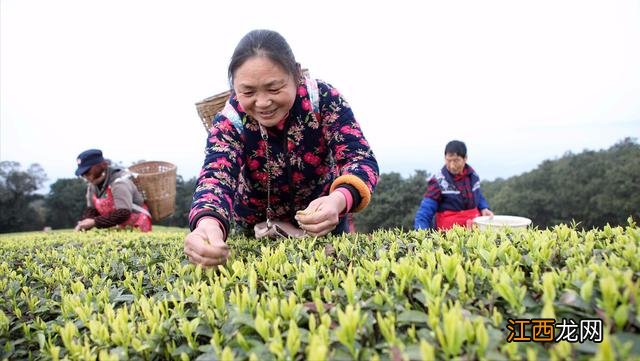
(205, 245)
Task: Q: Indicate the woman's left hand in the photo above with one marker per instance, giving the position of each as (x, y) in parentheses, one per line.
(321, 216)
(85, 224)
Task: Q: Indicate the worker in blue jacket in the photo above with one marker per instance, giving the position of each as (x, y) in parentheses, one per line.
(453, 194)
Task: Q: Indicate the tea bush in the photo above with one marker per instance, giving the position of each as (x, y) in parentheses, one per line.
(389, 295)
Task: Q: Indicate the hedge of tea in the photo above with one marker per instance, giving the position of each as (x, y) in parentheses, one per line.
(111, 295)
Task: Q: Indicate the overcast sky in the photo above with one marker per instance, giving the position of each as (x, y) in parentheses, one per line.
(519, 82)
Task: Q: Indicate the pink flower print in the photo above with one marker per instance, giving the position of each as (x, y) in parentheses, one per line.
(254, 164)
(251, 219)
(210, 198)
(321, 170)
(260, 176)
(312, 159)
(352, 131)
(306, 104)
(212, 181)
(221, 163)
(291, 146)
(240, 108)
(340, 148)
(256, 202)
(302, 91)
(334, 92)
(364, 142)
(373, 177)
(284, 188)
(297, 177)
(262, 146)
(322, 147)
(225, 125)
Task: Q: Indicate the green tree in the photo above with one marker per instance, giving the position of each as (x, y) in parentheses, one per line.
(592, 188)
(17, 193)
(394, 203)
(65, 202)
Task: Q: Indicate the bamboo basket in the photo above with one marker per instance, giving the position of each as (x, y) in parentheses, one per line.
(208, 107)
(157, 182)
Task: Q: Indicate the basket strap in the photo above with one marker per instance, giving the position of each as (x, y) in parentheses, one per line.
(314, 94)
(231, 114)
(127, 174)
(140, 209)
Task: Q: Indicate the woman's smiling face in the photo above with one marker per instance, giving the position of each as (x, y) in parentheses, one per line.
(265, 90)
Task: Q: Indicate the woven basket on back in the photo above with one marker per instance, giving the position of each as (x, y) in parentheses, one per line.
(208, 108)
(157, 182)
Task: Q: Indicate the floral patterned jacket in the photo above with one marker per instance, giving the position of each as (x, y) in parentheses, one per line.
(320, 148)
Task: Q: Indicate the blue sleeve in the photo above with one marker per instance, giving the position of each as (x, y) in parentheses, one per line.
(425, 213)
(482, 203)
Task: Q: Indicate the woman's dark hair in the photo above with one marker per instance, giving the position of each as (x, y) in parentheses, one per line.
(456, 147)
(264, 43)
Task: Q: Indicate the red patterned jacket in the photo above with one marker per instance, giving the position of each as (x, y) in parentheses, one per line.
(320, 148)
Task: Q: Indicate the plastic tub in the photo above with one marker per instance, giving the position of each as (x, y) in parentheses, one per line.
(501, 221)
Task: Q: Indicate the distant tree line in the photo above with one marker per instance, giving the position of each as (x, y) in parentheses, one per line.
(20, 207)
(591, 188)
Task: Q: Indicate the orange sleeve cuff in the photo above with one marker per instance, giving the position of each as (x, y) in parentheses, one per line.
(356, 183)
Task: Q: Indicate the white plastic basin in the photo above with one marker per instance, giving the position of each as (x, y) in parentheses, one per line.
(501, 221)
